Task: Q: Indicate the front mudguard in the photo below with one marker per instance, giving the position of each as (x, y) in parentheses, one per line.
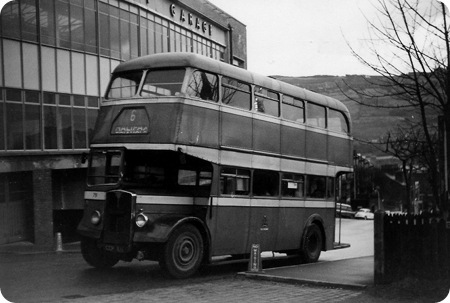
(160, 229)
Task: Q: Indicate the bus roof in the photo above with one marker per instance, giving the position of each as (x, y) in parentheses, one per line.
(208, 64)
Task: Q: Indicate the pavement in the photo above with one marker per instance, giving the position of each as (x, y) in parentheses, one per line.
(353, 273)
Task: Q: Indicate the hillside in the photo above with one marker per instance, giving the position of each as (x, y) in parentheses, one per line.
(369, 123)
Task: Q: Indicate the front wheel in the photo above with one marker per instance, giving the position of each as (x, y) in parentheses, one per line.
(96, 256)
(311, 244)
(183, 253)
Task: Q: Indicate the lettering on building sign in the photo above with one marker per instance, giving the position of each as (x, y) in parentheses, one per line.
(205, 27)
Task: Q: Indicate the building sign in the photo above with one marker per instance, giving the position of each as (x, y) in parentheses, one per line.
(190, 20)
(131, 121)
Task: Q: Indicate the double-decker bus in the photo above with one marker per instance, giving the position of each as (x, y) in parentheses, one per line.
(193, 158)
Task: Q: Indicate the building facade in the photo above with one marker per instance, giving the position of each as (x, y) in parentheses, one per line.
(56, 57)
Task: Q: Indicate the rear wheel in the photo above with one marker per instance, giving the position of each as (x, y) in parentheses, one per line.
(96, 256)
(183, 253)
(311, 244)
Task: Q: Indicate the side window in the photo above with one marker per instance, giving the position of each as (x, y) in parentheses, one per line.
(316, 187)
(267, 101)
(330, 188)
(265, 183)
(203, 85)
(337, 121)
(234, 181)
(292, 185)
(236, 93)
(189, 177)
(316, 115)
(293, 109)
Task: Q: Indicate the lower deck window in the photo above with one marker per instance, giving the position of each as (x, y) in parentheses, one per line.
(265, 183)
(234, 181)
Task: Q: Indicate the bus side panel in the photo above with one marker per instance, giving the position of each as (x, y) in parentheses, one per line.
(236, 131)
(290, 228)
(199, 126)
(266, 136)
(292, 141)
(229, 227)
(341, 153)
(316, 146)
(263, 227)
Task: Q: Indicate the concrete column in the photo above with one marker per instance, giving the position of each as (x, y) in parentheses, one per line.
(43, 208)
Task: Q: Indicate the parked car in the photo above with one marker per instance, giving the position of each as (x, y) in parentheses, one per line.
(344, 211)
(364, 213)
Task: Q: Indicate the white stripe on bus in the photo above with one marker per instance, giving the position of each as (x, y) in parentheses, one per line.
(236, 202)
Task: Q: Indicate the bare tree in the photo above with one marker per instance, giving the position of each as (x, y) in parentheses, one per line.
(409, 42)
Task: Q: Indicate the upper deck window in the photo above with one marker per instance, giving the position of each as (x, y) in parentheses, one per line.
(316, 115)
(124, 85)
(162, 83)
(236, 93)
(267, 101)
(293, 109)
(203, 85)
(337, 121)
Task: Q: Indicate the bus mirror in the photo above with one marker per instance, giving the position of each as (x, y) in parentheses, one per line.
(84, 157)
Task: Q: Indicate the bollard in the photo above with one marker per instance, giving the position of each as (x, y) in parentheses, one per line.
(59, 242)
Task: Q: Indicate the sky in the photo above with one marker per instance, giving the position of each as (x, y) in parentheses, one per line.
(304, 37)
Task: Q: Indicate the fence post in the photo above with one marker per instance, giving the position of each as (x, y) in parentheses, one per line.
(379, 246)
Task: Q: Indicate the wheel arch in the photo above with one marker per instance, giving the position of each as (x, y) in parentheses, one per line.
(202, 228)
(318, 220)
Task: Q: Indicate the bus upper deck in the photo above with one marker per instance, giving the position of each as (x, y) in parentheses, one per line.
(197, 102)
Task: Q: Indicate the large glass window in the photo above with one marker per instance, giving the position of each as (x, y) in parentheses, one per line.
(2, 124)
(62, 23)
(77, 25)
(203, 85)
(293, 109)
(236, 93)
(47, 22)
(14, 122)
(265, 183)
(11, 19)
(267, 101)
(30, 66)
(234, 181)
(316, 115)
(125, 35)
(13, 64)
(29, 20)
(163, 83)
(124, 85)
(90, 27)
(32, 122)
(292, 185)
(79, 128)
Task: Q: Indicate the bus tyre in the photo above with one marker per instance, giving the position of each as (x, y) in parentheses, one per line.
(311, 244)
(96, 256)
(182, 255)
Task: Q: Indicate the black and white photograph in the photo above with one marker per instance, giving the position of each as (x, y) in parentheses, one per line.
(224, 151)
